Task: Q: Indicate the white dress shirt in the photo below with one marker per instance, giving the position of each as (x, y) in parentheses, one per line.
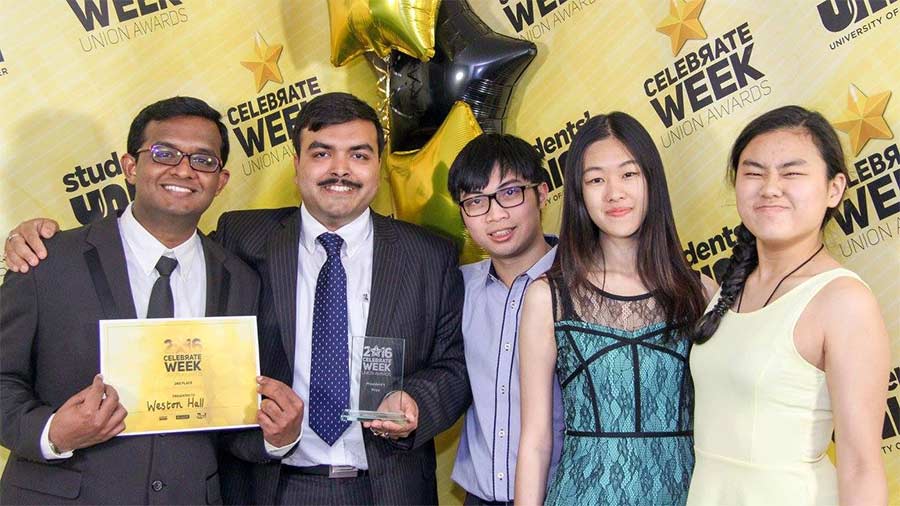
(142, 251)
(188, 280)
(356, 257)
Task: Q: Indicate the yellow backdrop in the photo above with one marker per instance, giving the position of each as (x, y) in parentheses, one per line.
(73, 74)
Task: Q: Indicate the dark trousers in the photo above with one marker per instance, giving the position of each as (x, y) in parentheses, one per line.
(474, 500)
(306, 489)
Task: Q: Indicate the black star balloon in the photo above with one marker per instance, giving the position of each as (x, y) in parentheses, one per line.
(471, 63)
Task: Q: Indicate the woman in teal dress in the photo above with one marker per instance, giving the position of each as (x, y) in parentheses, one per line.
(611, 319)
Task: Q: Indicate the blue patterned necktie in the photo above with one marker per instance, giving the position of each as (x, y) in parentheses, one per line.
(329, 378)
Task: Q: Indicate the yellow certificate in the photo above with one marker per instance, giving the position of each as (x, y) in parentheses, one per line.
(176, 375)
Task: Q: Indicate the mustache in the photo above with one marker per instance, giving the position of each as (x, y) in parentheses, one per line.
(341, 181)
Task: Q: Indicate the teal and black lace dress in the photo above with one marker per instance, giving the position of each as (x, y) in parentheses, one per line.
(627, 395)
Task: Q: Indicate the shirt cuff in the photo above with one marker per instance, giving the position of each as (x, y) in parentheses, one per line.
(46, 449)
(278, 452)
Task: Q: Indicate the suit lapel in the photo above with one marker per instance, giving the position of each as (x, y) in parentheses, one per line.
(283, 272)
(387, 267)
(218, 279)
(105, 257)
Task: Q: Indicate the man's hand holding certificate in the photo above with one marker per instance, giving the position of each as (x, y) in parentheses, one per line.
(280, 413)
(89, 417)
(190, 374)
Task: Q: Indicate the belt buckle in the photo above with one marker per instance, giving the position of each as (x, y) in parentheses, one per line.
(342, 472)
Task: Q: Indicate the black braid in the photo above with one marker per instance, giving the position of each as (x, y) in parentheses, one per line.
(743, 260)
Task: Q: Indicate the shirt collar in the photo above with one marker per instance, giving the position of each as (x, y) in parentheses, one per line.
(147, 249)
(536, 270)
(354, 234)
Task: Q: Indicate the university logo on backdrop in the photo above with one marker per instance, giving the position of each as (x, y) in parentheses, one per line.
(707, 84)
(853, 19)
(262, 124)
(891, 428)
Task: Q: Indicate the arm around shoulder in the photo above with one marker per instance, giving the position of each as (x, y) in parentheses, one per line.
(24, 246)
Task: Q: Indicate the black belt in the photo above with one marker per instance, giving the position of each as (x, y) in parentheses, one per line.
(326, 470)
(474, 499)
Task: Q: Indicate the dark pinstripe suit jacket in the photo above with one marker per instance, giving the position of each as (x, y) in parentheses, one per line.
(50, 351)
(417, 294)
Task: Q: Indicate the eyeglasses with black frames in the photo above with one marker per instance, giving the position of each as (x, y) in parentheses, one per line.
(511, 196)
(167, 155)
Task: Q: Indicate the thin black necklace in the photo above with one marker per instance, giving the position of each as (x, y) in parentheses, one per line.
(741, 296)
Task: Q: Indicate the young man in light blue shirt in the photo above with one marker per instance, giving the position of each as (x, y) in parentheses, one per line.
(501, 187)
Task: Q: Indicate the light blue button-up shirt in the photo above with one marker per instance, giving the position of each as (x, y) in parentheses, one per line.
(486, 460)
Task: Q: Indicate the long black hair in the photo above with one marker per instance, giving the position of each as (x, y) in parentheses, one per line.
(744, 256)
(660, 261)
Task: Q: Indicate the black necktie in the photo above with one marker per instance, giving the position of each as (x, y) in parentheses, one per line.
(162, 304)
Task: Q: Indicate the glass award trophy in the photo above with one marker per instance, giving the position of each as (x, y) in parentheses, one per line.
(376, 365)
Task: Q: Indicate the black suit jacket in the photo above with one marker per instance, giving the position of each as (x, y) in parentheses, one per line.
(416, 294)
(50, 351)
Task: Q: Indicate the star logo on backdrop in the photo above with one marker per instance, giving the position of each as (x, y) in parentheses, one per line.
(683, 23)
(864, 118)
(264, 62)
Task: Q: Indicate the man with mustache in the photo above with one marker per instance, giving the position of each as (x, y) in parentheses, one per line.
(400, 281)
(395, 280)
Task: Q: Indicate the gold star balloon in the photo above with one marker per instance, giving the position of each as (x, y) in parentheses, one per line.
(864, 118)
(264, 62)
(383, 203)
(419, 181)
(358, 26)
(683, 23)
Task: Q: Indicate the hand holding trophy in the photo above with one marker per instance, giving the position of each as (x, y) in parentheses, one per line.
(376, 365)
(396, 402)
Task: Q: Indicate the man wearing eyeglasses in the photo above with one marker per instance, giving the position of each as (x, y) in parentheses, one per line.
(501, 187)
(332, 269)
(59, 417)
